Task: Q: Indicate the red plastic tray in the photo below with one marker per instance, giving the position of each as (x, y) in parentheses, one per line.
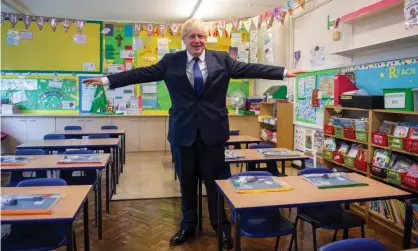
(379, 139)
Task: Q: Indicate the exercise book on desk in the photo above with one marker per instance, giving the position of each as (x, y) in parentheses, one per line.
(28, 204)
(331, 180)
(230, 155)
(80, 159)
(258, 184)
(283, 153)
(13, 160)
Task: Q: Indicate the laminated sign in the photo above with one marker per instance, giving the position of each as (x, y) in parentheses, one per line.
(411, 13)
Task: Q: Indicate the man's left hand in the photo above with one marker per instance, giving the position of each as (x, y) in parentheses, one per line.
(294, 73)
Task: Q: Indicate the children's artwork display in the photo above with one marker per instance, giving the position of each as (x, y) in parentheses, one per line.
(42, 94)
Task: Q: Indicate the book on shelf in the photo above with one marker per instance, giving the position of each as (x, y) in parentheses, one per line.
(28, 204)
(284, 153)
(231, 155)
(14, 160)
(80, 159)
(258, 184)
(331, 180)
(394, 212)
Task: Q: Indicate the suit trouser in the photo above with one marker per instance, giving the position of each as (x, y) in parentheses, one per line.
(193, 161)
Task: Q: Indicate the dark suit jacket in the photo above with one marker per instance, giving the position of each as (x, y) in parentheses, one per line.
(190, 112)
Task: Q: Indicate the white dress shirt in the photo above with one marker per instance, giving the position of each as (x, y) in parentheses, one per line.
(189, 69)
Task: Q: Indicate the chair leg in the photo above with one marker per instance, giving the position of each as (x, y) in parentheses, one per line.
(294, 237)
(314, 236)
(334, 238)
(362, 232)
(277, 243)
(74, 241)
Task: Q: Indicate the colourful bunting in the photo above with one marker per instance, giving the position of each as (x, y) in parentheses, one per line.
(40, 22)
(67, 24)
(13, 19)
(80, 25)
(27, 20)
(53, 22)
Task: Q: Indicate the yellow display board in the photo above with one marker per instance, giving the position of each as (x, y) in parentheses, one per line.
(49, 51)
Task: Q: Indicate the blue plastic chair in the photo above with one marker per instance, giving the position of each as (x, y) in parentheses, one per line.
(271, 165)
(16, 177)
(265, 223)
(73, 128)
(330, 216)
(40, 236)
(111, 127)
(357, 244)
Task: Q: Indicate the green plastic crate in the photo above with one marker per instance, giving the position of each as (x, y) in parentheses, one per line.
(394, 177)
(395, 142)
(328, 155)
(362, 136)
(349, 161)
(339, 131)
(401, 99)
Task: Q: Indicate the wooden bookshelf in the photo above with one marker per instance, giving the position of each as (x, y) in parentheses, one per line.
(375, 117)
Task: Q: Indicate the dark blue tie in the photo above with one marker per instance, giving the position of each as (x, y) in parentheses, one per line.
(198, 77)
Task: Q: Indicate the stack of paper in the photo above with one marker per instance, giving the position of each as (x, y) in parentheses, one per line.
(258, 184)
(230, 155)
(283, 153)
(81, 159)
(26, 204)
(331, 180)
(14, 160)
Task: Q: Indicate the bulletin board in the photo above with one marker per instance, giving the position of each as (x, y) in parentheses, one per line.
(305, 114)
(49, 51)
(42, 94)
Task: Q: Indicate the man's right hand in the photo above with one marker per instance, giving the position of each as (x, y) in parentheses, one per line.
(93, 81)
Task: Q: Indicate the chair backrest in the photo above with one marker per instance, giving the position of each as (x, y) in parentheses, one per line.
(109, 127)
(234, 133)
(358, 244)
(79, 151)
(42, 182)
(317, 170)
(54, 136)
(254, 173)
(260, 146)
(99, 136)
(72, 128)
(30, 152)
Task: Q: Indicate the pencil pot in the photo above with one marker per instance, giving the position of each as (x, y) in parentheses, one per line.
(395, 142)
(395, 177)
(361, 165)
(411, 145)
(379, 139)
(379, 172)
(361, 136)
(348, 161)
(329, 129)
(338, 157)
(349, 133)
(410, 181)
(328, 155)
(339, 131)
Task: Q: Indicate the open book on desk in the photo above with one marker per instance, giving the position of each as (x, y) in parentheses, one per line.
(258, 184)
(28, 204)
(331, 180)
(230, 155)
(13, 160)
(273, 152)
(80, 159)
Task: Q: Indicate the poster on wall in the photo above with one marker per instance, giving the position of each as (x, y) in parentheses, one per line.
(411, 13)
(317, 56)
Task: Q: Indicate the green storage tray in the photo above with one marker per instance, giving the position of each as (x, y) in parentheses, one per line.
(395, 142)
(349, 161)
(401, 99)
(328, 155)
(339, 131)
(362, 136)
(394, 177)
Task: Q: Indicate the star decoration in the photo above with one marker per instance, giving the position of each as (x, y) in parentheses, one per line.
(382, 75)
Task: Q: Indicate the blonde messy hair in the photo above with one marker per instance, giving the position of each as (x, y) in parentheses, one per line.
(193, 24)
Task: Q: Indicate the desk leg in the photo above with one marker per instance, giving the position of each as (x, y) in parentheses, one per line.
(283, 166)
(303, 164)
(99, 203)
(113, 171)
(199, 219)
(124, 148)
(117, 164)
(408, 226)
(86, 225)
(345, 232)
(219, 230)
(70, 243)
(237, 234)
(107, 189)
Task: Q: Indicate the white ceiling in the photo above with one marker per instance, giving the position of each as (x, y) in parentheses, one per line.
(160, 11)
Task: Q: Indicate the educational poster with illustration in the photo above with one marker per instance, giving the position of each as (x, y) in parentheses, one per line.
(42, 94)
(306, 112)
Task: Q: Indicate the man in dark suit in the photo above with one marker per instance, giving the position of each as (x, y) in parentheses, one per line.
(197, 80)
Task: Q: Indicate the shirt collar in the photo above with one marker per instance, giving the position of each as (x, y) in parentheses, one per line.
(201, 57)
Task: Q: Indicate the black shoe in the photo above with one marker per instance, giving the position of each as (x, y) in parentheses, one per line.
(226, 239)
(181, 236)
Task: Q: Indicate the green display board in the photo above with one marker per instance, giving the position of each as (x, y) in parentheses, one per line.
(42, 94)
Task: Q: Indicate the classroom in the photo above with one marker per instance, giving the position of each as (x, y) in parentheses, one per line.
(209, 125)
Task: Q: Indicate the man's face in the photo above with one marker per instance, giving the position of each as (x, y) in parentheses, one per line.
(195, 42)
